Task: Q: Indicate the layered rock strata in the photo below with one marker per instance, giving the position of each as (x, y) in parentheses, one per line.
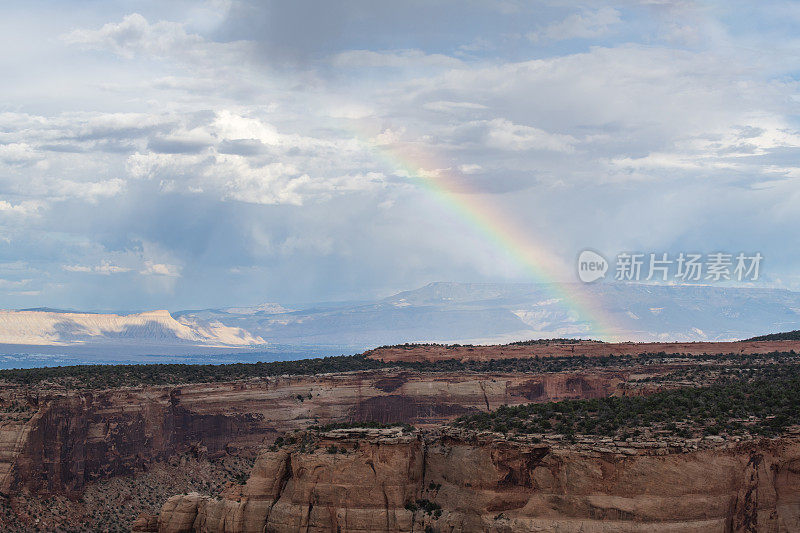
(387, 480)
(58, 440)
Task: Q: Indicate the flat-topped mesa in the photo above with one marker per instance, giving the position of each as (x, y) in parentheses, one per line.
(441, 352)
(358, 480)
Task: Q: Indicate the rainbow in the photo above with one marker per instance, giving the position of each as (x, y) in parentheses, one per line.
(487, 221)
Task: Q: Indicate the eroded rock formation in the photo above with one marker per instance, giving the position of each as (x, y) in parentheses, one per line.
(386, 480)
(61, 440)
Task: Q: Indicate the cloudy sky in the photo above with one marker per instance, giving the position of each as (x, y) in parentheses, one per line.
(189, 154)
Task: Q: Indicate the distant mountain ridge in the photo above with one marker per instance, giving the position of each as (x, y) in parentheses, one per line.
(478, 313)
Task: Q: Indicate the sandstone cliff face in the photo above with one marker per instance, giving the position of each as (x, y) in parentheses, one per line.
(78, 438)
(68, 439)
(388, 481)
(361, 486)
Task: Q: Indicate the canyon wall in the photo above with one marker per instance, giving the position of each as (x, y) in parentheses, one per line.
(57, 441)
(386, 480)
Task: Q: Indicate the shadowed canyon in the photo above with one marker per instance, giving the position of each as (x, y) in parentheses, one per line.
(383, 445)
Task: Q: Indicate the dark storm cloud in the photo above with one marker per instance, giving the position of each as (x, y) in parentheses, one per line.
(307, 30)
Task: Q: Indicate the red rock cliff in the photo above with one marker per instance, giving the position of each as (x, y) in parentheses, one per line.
(389, 481)
(72, 438)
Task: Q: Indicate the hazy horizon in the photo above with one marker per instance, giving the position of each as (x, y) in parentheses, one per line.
(301, 305)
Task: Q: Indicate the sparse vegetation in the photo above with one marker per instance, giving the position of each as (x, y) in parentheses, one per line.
(532, 342)
(113, 504)
(762, 406)
(785, 336)
(536, 342)
(111, 376)
(424, 505)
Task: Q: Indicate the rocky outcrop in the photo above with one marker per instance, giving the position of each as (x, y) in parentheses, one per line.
(354, 484)
(65, 439)
(385, 480)
(145, 522)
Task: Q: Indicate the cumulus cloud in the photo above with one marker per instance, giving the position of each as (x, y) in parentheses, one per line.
(276, 183)
(134, 34)
(194, 62)
(19, 154)
(22, 209)
(231, 125)
(221, 152)
(160, 269)
(257, 135)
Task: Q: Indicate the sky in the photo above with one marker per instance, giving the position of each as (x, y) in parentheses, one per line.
(186, 155)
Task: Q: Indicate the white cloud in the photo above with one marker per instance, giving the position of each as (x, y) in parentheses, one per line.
(19, 154)
(734, 148)
(160, 269)
(759, 136)
(505, 135)
(22, 209)
(230, 125)
(77, 268)
(583, 25)
(135, 35)
(470, 169)
(105, 268)
(275, 183)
